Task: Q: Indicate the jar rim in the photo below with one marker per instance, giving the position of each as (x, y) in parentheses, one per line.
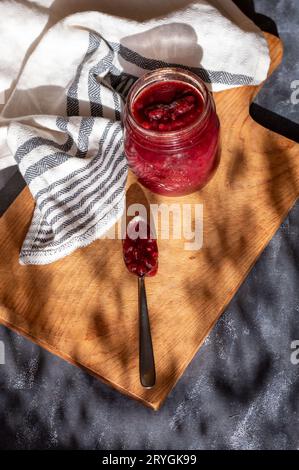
(163, 74)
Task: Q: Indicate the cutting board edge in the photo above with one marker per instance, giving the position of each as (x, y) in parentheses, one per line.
(266, 241)
(41, 343)
(156, 404)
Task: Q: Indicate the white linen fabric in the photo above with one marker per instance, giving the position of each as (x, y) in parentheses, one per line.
(61, 122)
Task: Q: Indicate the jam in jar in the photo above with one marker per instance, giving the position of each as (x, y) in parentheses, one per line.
(171, 132)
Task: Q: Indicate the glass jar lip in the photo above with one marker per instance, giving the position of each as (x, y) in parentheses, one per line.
(161, 75)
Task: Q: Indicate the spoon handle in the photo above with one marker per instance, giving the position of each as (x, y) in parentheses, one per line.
(146, 355)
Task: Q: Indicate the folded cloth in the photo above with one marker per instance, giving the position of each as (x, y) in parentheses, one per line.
(64, 116)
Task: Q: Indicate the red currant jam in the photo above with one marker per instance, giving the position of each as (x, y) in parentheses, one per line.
(171, 132)
(167, 106)
(140, 250)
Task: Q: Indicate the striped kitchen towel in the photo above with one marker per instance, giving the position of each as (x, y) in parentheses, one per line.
(64, 115)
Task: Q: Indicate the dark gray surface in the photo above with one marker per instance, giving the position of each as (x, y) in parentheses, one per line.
(240, 392)
(276, 94)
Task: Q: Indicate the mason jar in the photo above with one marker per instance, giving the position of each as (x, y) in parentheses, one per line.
(171, 132)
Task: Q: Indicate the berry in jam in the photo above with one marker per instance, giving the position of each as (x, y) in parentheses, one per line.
(167, 106)
(140, 250)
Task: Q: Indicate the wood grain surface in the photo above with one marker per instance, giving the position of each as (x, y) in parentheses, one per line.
(84, 307)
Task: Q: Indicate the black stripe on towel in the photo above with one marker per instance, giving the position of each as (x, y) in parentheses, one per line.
(208, 76)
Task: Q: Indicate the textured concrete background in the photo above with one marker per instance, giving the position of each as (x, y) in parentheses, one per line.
(241, 390)
(273, 106)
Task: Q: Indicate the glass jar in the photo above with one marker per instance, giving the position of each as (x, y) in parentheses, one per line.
(172, 152)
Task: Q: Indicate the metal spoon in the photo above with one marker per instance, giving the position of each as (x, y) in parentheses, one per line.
(146, 355)
(141, 259)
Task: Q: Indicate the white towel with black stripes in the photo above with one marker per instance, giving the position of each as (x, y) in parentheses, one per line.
(63, 117)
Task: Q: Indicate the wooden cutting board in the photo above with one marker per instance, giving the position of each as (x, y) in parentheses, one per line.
(84, 307)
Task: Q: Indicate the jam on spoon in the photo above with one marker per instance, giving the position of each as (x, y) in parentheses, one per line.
(140, 252)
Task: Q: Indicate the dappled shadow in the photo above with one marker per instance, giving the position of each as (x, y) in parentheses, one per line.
(262, 21)
(41, 100)
(244, 393)
(101, 329)
(168, 44)
(59, 9)
(131, 9)
(275, 122)
(49, 100)
(20, 290)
